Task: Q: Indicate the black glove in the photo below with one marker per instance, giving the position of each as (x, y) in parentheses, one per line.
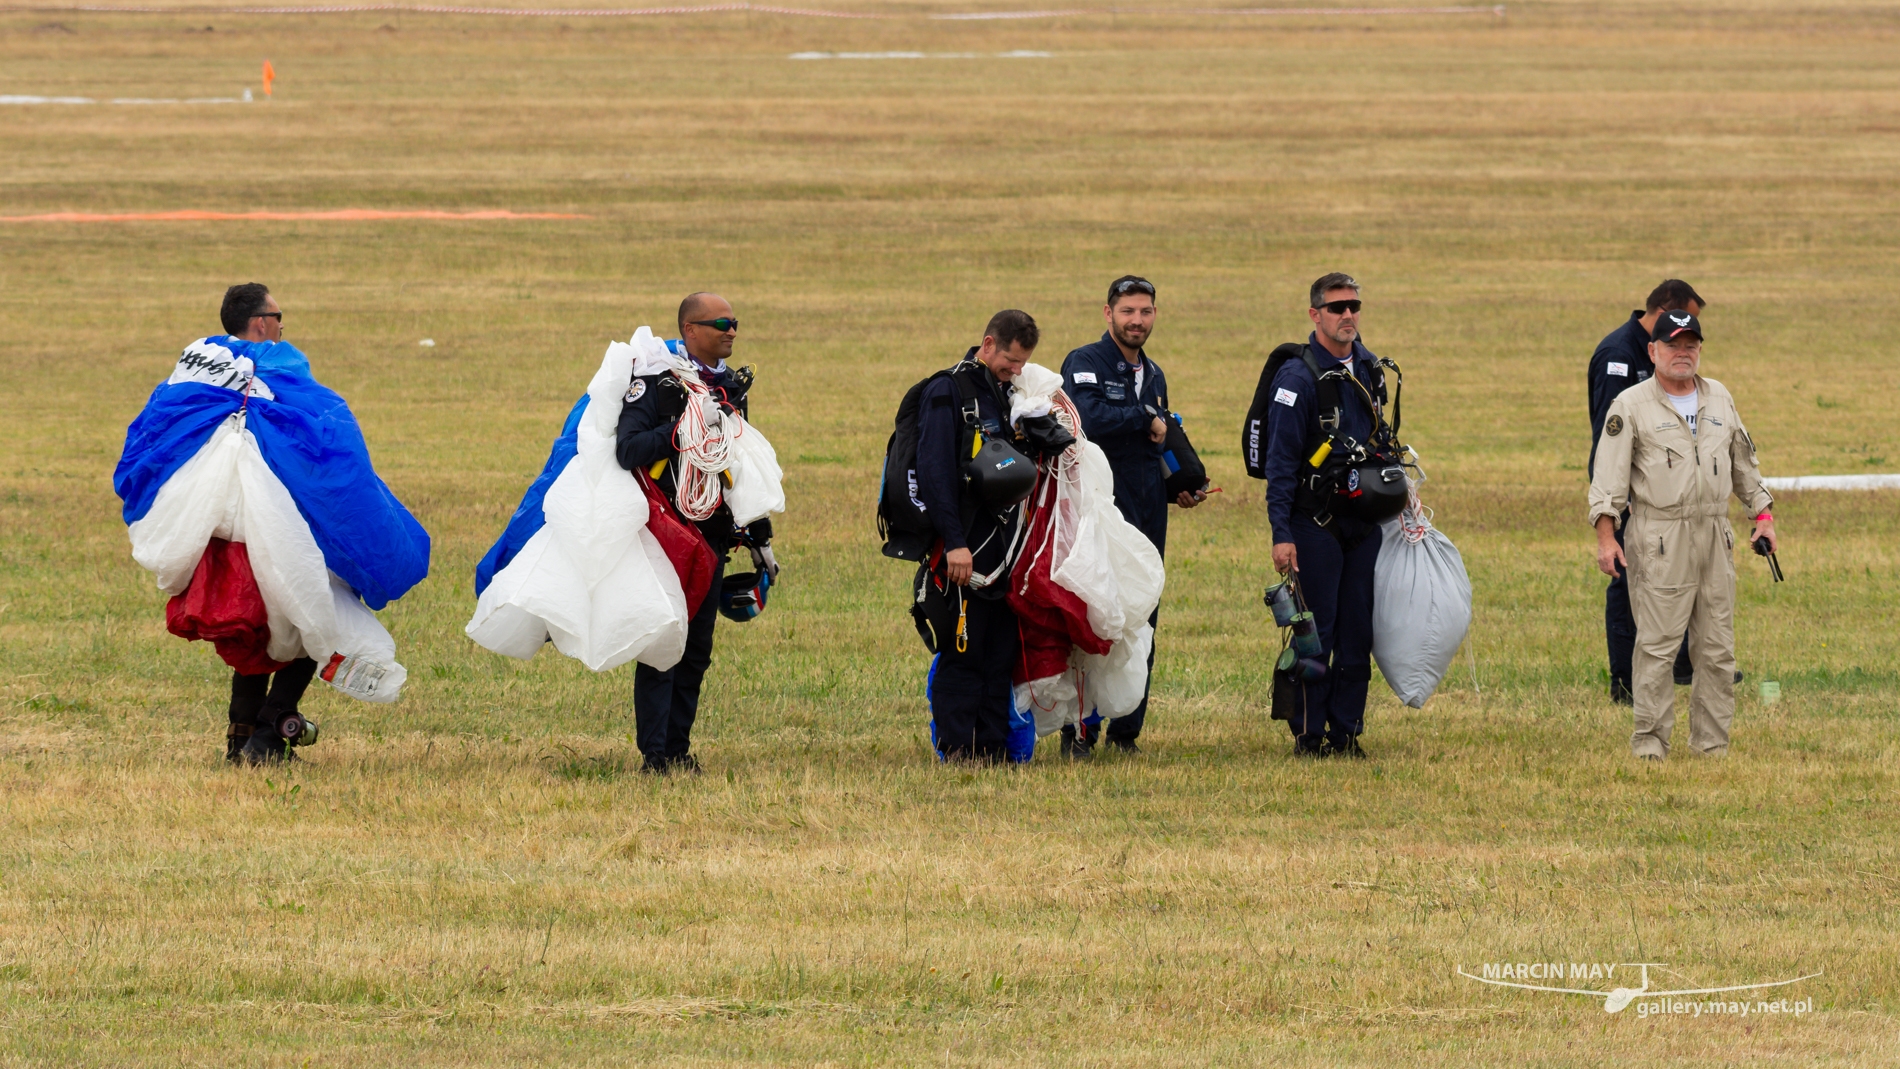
(1043, 436)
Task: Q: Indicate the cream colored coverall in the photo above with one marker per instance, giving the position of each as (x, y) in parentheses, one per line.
(1681, 549)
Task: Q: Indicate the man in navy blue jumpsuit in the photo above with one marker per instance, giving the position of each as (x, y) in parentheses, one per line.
(1334, 562)
(1123, 399)
(1622, 360)
(977, 637)
(666, 704)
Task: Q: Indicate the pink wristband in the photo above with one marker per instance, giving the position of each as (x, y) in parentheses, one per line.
(1763, 516)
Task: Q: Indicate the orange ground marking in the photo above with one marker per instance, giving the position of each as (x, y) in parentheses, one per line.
(342, 215)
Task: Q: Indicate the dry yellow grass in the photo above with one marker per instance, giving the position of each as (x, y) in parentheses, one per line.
(474, 877)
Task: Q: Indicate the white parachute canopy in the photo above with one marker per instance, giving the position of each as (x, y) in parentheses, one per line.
(593, 580)
(1101, 558)
(226, 490)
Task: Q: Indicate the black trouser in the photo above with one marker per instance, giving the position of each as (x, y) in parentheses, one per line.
(1619, 629)
(970, 690)
(1337, 583)
(665, 704)
(264, 698)
(1127, 727)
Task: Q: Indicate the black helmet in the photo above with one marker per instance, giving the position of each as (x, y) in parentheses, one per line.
(999, 476)
(742, 596)
(1373, 492)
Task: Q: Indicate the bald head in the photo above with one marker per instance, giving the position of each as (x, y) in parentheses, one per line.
(707, 344)
(694, 307)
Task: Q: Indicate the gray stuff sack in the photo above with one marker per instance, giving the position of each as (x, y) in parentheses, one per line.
(1421, 605)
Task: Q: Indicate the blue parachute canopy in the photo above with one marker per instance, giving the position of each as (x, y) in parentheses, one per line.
(310, 440)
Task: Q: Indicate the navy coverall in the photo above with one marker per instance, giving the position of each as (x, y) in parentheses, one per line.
(1117, 417)
(1621, 361)
(665, 704)
(970, 689)
(1335, 570)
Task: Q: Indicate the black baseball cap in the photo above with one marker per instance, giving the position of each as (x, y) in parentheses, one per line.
(1671, 324)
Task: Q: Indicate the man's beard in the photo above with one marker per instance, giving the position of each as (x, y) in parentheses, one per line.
(1132, 343)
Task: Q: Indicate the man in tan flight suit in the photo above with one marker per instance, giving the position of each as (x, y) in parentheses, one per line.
(1673, 449)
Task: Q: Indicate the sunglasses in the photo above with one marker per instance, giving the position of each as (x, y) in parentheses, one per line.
(1340, 308)
(1132, 285)
(278, 316)
(722, 324)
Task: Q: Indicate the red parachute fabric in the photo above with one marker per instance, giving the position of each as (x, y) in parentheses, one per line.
(223, 606)
(692, 558)
(1052, 618)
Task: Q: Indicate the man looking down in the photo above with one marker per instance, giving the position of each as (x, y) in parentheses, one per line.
(967, 585)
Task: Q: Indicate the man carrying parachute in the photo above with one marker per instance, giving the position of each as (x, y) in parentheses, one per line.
(249, 494)
(618, 551)
(1031, 591)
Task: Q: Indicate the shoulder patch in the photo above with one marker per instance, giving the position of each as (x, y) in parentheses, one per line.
(1614, 426)
(1285, 397)
(1084, 376)
(636, 391)
(1616, 368)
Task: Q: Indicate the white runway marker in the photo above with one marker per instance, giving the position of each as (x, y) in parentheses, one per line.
(46, 100)
(1835, 482)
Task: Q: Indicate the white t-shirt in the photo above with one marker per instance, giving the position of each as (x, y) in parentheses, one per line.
(1686, 406)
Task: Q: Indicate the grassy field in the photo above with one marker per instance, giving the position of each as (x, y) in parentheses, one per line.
(475, 876)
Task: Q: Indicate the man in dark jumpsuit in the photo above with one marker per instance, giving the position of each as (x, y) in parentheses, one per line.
(977, 639)
(1334, 562)
(259, 702)
(1622, 360)
(665, 704)
(1123, 399)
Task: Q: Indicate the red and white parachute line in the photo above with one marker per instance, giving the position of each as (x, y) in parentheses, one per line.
(705, 451)
(1415, 520)
(1065, 466)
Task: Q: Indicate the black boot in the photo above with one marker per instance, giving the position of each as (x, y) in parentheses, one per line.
(234, 742)
(1620, 692)
(265, 747)
(1348, 748)
(1076, 746)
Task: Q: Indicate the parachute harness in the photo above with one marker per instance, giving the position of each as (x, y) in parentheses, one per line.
(705, 451)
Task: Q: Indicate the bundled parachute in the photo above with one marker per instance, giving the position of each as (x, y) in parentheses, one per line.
(1086, 580)
(595, 559)
(248, 492)
(1421, 602)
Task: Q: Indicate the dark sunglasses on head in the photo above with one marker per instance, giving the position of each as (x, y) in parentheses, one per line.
(1340, 308)
(278, 316)
(722, 324)
(1132, 285)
